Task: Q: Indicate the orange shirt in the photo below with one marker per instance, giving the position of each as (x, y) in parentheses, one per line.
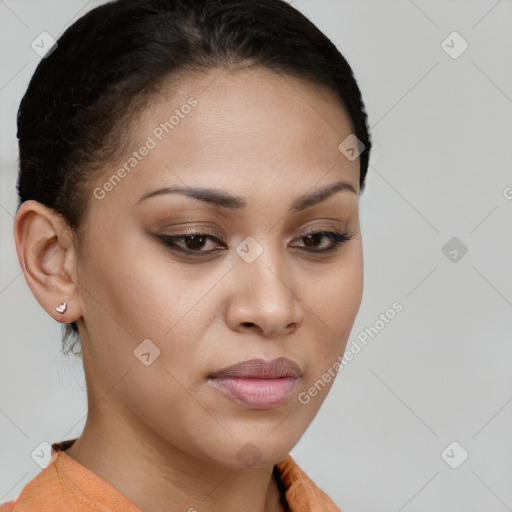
(67, 486)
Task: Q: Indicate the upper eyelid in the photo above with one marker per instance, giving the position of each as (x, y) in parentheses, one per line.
(216, 233)
(222, 232)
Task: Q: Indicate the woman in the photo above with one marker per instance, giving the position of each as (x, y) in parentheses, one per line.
(189, 184)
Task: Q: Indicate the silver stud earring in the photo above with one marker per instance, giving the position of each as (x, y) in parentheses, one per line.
(62, 307)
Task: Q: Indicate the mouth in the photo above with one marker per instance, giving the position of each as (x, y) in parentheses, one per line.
(258, 384)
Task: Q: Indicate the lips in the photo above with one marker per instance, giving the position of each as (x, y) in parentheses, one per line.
(260, 369)
(258, 384)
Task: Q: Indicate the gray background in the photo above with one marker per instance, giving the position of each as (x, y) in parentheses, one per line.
(440, 370)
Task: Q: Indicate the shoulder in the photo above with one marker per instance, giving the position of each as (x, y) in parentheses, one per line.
(41, 489)
(47, 490)
(301, 492)
(65, 485)
(7, 506)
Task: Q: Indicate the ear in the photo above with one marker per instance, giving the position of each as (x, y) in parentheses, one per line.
(47, 256)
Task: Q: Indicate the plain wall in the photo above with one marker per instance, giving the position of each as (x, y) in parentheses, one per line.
(439, 371)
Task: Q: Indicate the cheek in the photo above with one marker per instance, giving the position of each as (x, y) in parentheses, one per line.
(131, 286)
(331, 301)
(162, 399)
(334, 292)
(139, 295)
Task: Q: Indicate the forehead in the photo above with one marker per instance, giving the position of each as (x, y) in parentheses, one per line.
(241, 130)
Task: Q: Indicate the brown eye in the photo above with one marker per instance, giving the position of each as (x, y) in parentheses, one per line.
(314, 238)
(191, 243)
(195, 242)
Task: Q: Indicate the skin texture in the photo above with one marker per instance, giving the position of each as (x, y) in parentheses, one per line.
(162, 434)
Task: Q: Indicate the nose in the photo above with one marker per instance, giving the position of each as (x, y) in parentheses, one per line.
(264, 296)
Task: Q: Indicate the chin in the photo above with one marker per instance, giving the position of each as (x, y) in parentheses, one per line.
(254, 451)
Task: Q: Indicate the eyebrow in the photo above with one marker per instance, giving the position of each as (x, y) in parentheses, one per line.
(222, 199)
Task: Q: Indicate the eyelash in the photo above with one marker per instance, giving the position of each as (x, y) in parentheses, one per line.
(338, 239)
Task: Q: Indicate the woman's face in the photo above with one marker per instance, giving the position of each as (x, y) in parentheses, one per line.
(160, 319)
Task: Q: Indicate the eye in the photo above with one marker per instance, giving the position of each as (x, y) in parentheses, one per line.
(313, 238)
(191, 242)
(195, 243)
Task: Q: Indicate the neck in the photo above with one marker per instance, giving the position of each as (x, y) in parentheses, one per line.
(156, 476)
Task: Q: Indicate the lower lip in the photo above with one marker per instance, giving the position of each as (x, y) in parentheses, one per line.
(256, 393)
